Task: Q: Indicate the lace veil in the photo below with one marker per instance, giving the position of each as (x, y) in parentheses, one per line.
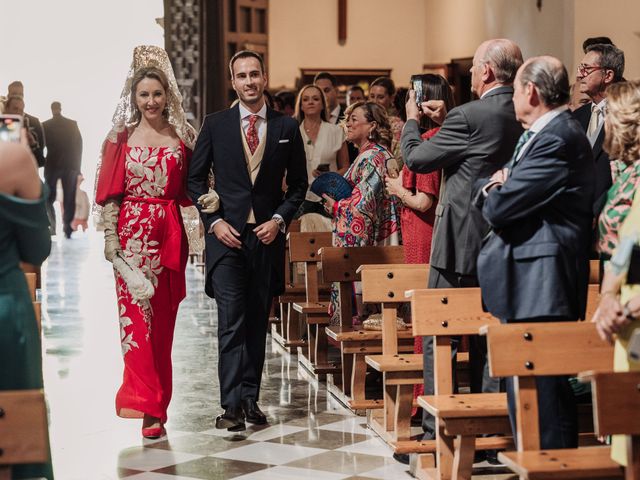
(148, 56)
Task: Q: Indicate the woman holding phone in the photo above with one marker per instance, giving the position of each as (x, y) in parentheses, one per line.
(419, 192)
(324, 142)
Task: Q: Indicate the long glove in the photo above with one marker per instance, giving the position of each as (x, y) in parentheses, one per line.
(210, 202)
(139, 286)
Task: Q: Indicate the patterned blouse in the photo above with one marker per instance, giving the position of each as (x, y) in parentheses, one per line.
(616, 209)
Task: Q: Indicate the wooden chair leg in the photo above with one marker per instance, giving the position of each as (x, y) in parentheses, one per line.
(311, 344)
(445, 451)
(5, 473)
(632, 472)
(347, 372)
(390, 397)
(358, 377)
(463, 457)
(293, 328)
(402, 413)
(322, 345)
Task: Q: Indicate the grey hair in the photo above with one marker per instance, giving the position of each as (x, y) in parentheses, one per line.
(505, 58)
(611, 58)
(551, 79)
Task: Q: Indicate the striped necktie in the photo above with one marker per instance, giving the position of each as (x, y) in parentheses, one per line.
(524, 138)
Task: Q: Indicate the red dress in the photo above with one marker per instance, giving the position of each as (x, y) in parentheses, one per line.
(150, 182)
(417, 227)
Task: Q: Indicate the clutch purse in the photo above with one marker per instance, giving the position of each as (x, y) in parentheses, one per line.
(333, 184)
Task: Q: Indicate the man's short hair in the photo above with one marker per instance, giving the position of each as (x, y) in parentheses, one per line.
(551, 79)
(594, 41)
(611, 58)
(287, 98)
(16, 83)
(356, 88)
(505, 59)
(246, 54)
(326, 76)
(56, 106)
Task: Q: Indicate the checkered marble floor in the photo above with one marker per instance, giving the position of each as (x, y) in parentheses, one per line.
(309, 433)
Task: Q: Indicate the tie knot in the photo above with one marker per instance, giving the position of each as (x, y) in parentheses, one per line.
(525, 136)
(596, 109)
(252, 120)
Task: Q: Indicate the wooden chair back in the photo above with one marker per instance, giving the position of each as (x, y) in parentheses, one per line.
(594, 272)
(303, 247)
(386, 285)
(527, 350)
(341, 264)
(23, 428)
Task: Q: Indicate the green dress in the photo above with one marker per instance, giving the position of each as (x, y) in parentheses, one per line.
(24, 236)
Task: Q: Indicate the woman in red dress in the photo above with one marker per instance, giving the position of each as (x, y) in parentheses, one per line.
(419, 192)
(140, 187)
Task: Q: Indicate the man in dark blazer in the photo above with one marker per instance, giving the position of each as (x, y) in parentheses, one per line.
(475, 139)
(601, 66)
(534, 265)
(35, 133)
(249, 148)
(64, 159)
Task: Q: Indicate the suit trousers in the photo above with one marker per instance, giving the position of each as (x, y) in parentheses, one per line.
(557, 405)
(241, 282)
(481, 381)
(69, 179)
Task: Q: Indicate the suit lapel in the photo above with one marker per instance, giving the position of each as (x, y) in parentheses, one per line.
(597, 146)
(274, 128)
(234, 132)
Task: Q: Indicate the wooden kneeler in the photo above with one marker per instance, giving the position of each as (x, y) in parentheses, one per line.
(24, 436)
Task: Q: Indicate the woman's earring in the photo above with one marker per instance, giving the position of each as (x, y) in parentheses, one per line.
(370, 137)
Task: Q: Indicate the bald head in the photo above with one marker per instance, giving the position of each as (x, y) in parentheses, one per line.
(549, 77)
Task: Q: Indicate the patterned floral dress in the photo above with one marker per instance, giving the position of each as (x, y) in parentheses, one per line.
(152, 237)
(619, 199)
(369, 216)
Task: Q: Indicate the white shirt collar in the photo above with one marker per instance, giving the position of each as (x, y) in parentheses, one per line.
(545, 119)
(602, 105)
(335, 113)
(245, 112)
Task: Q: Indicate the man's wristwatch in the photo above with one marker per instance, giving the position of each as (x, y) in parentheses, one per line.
(280, 222)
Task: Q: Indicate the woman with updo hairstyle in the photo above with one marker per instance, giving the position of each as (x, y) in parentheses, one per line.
(369, 216)
(618, 315)
(141, 184)
(324, 144)
(383, 92)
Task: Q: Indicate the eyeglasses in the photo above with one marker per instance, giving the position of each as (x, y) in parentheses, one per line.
(586, 70)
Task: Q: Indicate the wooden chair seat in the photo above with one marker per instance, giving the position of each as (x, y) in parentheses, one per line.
(585, 462)
(311, 308)
(357, 334)
(470, 405)
(407, 362)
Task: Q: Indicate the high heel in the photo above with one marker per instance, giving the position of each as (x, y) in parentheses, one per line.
(153, 433)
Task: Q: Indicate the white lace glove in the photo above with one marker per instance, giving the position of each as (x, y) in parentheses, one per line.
(138, 285)
(210, 202)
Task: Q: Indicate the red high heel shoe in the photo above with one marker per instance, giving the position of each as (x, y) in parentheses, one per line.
(153, 433)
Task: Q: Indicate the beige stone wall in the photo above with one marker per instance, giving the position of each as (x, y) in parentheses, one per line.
(405, 34)
(380, 34)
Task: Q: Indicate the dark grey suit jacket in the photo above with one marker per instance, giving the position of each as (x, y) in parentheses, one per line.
(219, 147)
(64, 145)
(601, 159)
(475, 140)
(535, 263)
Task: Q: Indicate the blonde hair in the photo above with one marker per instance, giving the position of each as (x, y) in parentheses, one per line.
(622, 139)
(374, 113)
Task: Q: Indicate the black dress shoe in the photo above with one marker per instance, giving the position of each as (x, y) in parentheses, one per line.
(402, 458)
(252, 412)
(232, 419)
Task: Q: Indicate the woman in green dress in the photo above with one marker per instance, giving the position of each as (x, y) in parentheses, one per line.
(24, 237)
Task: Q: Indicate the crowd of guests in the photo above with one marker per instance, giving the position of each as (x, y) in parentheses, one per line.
(512, 192)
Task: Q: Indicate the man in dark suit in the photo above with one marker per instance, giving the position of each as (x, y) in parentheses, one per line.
(35, 133)
(249, 148)
(64, 158)
(535, 264)
(601, 66)
(475, 139)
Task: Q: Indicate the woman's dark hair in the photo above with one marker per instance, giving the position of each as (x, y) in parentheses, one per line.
(385, 82)
(147, 72)
(400, 103)
(435, 87)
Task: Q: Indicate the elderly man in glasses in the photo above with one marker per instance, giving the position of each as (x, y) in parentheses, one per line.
(601, 66)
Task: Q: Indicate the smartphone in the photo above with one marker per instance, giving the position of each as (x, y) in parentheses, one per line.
(10, 128)
(633, 347)
(416, 86)
(323, 167)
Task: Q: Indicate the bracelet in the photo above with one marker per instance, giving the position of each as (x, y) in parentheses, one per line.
(402, 197)
(609, 292)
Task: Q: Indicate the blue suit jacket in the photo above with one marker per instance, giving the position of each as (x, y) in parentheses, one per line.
(535, 261)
